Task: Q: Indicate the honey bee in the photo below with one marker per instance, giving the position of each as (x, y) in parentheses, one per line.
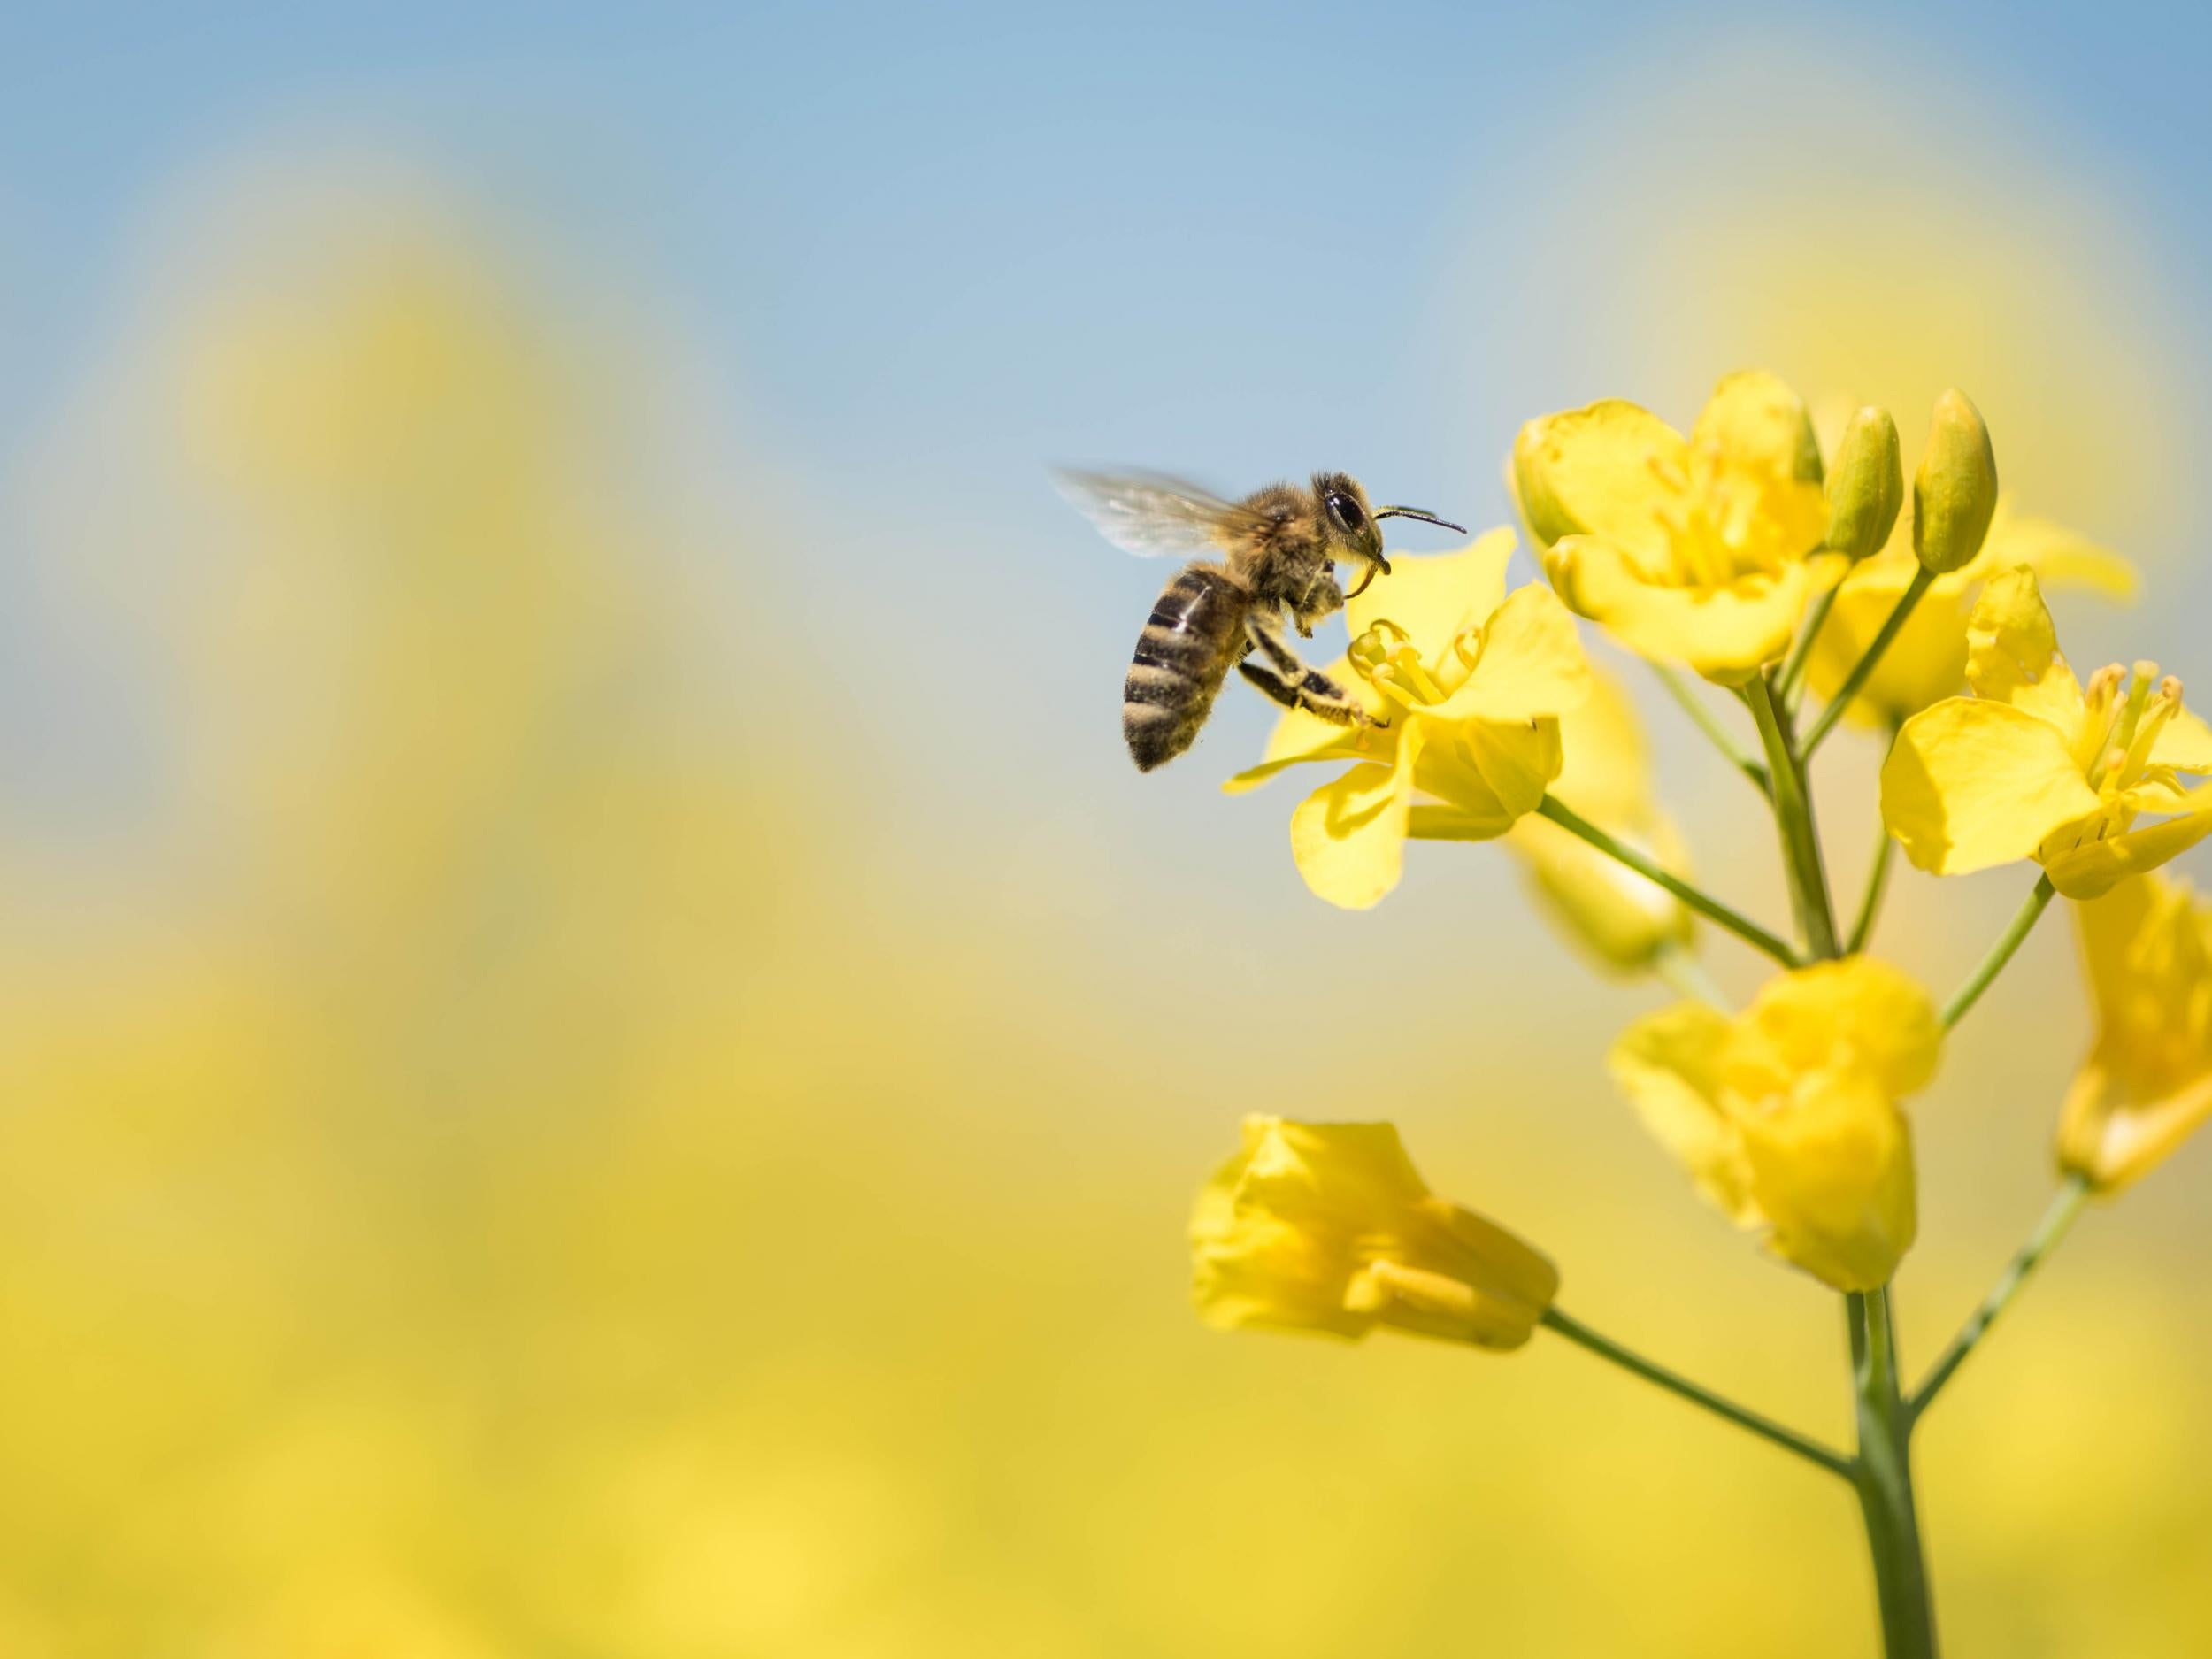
(1279, 547)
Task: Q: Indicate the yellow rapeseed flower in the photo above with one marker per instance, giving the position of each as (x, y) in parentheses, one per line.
(1787, 1115)
(1926, 662)
(2148, 1081)
(1472, 682)
(1702, 549)
(1328, 1228)
(2033, 765)
(1624, 919)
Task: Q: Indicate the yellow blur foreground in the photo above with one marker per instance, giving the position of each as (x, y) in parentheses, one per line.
(495, 1161)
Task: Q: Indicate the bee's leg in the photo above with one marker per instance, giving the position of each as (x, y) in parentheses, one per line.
(1286, 679)
(1344, 713)
(1322, 600)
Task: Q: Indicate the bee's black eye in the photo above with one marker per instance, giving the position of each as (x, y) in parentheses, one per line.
(1344, 510)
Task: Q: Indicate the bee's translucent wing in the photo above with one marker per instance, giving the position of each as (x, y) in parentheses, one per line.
(1148, 514)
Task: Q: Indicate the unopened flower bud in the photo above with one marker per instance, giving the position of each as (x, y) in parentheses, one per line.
(1955, 492)
(1866, 485)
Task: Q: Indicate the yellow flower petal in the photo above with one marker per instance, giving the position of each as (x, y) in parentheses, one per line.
(2055, 554)
(1375, 744)
(1754, 419)
(2012, 653)
(1609, 469)
(1491, 766)
(1348, 837)
(1668, 1066)
(1434, 600)
(1529, 662)
(1726, 633)
(2184, 743)
(1859, 1013)
(1833, 1175)
(1328, 1228)
(1299, 737)
(2094, 868)
(1786, 1115)
(2146, 1085)
(1972, 784)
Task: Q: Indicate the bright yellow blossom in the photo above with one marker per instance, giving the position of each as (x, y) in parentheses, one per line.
(1787, 1116)
(1702, 549)
(1926, 662)
(1622, 919)
(1472, 681)
(2148, 1081)
(1328, 1227)
(2033, 765)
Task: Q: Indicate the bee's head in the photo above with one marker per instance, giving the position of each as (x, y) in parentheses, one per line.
(1352, 530)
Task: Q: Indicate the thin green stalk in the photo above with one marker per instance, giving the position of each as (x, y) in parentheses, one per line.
(1794, 815)
(1876, 876)
(1722, 739)
(2064, 1207)
(1793, 670)
(1871, 901)
(1698, 900)
(1679, 966)
(2023, 923)
(1829, 716)
(1766, 1428)
(1882, 1473)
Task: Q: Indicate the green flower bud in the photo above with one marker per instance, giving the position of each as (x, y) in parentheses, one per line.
(1955, 492)
(1866, 487)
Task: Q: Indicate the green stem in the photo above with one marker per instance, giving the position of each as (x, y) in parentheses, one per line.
(1677, 964)
(1702, 903)
(1793, 816)
(2023, 923)
(1876, 875)
(2064, 1207)
(1766, 1428)
(1882, 1474)
(1871, 901)
(1829, 716)
(1722, 739)
(1793, 670)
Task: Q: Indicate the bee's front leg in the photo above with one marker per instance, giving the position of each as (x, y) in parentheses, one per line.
(1324, 599)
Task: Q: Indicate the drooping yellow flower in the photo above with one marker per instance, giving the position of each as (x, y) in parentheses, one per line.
(1328, 1227)
(2147, 1082)
(2033, 765)
(1926, 662)
(1624, 919)
(1472, 681)
(1787, 1115)
(1702, 549)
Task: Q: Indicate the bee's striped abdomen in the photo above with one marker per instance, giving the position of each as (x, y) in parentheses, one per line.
(1186, 650)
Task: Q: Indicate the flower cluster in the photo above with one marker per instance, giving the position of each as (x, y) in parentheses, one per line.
(1813, 587)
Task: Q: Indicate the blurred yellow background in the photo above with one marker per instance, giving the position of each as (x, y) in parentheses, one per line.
(600, 1053)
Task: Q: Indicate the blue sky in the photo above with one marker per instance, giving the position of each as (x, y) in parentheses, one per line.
(915, 255)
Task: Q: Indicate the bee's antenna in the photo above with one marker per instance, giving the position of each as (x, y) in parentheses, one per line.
(1414, 513)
